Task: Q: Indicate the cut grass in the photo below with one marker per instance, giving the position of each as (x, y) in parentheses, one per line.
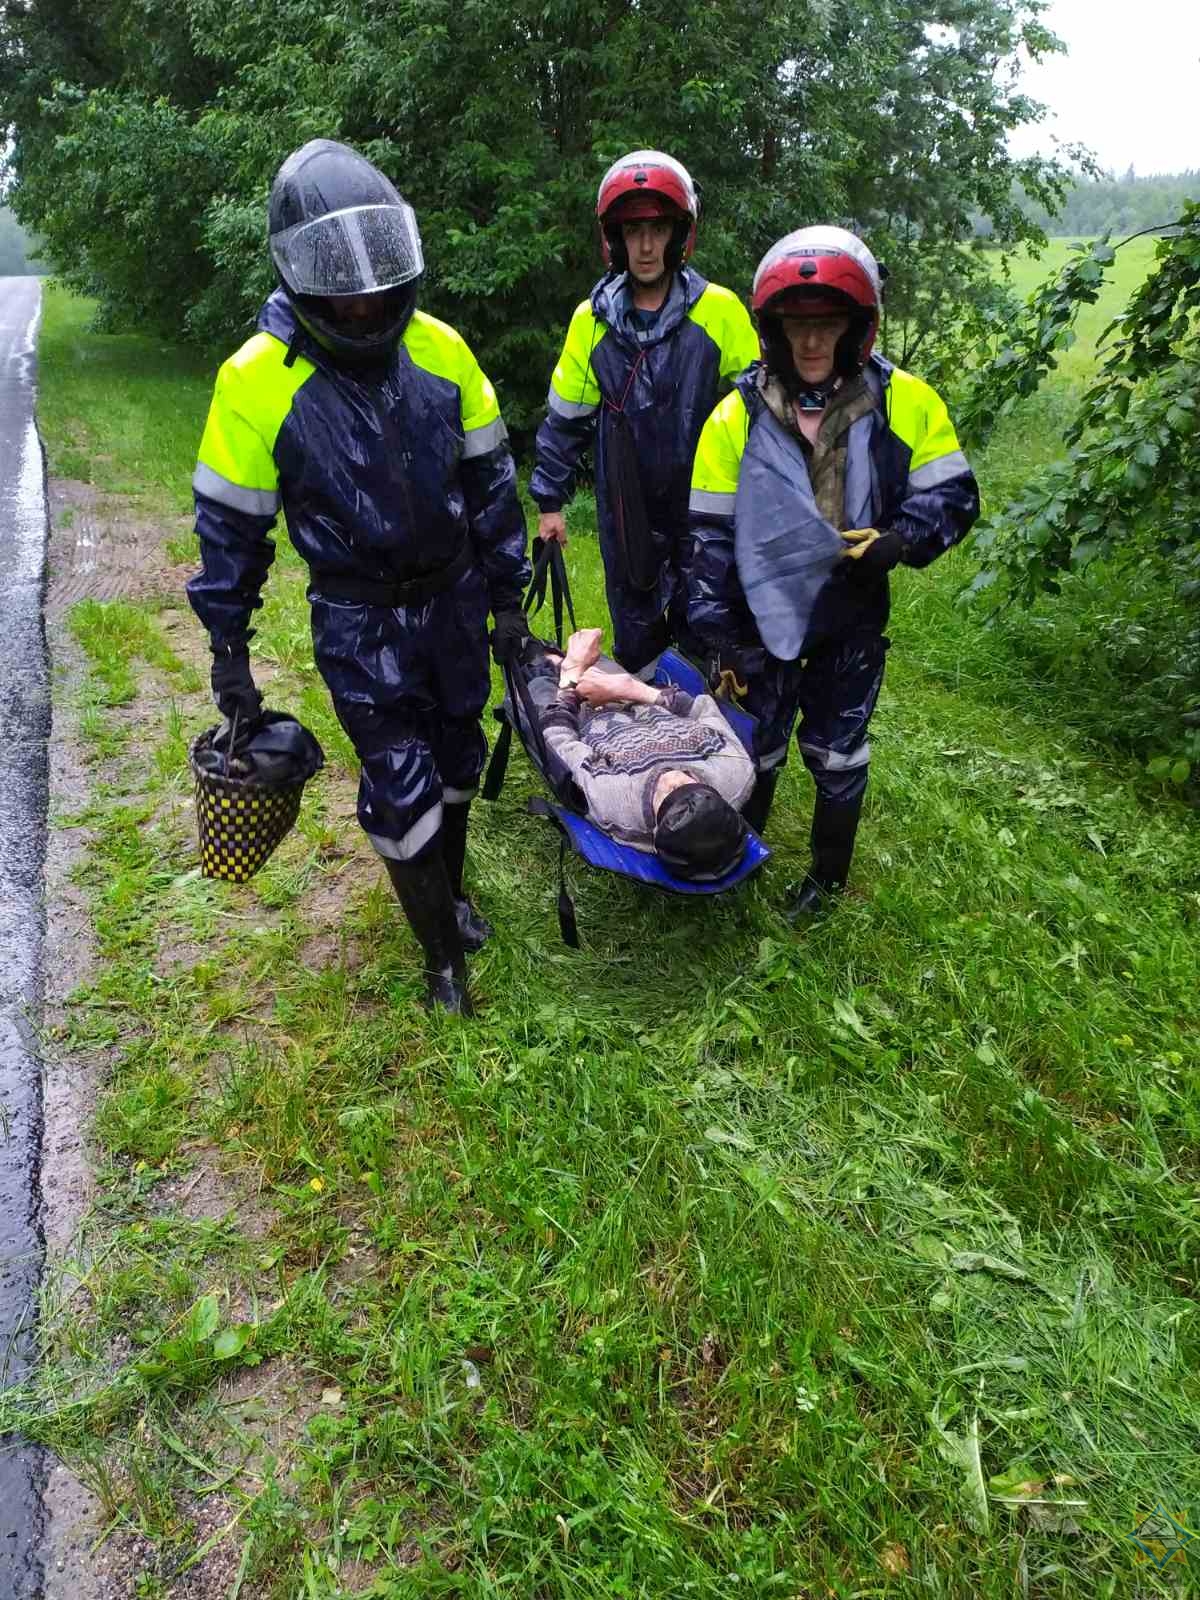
(711, 1260)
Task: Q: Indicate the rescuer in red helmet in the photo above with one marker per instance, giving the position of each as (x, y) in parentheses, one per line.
(823, 470)
(642, 366)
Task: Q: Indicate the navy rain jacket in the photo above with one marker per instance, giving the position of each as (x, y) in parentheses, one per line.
(665, 379)
(379, 479)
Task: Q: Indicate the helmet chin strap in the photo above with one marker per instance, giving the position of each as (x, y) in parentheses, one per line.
(816, 396)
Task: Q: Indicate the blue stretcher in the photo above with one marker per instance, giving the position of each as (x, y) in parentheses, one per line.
(518, 715)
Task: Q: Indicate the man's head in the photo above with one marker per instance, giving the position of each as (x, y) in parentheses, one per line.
(697, 834)
(816, 299)
(347, 251)
(647, 207)
(813, 331)
(648, 225)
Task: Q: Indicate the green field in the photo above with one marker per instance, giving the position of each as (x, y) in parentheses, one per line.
(1132, 263)
(714, 1260)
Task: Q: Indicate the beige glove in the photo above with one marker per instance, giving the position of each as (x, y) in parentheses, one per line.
(858, 541)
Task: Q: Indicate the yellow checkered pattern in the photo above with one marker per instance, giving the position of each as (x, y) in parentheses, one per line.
(240, 824)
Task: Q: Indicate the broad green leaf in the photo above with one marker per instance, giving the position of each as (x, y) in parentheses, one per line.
(231, 1342)
(724, 1136)
(977, 1261)
(962, 1451)
(203, 1318)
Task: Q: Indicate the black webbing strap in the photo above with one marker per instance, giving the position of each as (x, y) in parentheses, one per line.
(521, 702)
(498, 765)
(548, 564)
(567, 924)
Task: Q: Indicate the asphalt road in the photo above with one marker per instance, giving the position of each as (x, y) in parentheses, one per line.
(24, 731)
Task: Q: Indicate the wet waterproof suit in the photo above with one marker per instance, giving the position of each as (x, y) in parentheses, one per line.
(752, 508)
(386, 479)
(659, 378)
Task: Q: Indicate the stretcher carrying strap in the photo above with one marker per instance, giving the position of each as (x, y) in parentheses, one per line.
(493, 780)
(567, 924)
(380, 592)
(548, 565)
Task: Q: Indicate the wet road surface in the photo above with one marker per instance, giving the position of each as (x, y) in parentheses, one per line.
(24, 730)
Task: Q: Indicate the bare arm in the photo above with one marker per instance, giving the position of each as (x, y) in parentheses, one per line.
(608, 688)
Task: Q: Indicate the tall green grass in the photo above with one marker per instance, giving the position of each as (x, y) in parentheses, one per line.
(120, 411)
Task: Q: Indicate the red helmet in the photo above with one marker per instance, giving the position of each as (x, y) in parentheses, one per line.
(646, 184)
(818, 272)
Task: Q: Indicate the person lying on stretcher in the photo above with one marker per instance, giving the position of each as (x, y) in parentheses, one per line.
(659, 770)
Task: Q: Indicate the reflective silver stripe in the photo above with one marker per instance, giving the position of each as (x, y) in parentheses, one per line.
(480, 440)
(773, 758)
(708, 504)
(955, 465)
(570, 409)
(419, 835)
(458, 797)
(834, 760)
(258, 502)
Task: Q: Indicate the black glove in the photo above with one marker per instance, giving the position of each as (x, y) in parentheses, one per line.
(878, 558)
(233, 687)
(509, 634)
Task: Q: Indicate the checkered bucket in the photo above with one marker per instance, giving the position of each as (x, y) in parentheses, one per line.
(241, 819)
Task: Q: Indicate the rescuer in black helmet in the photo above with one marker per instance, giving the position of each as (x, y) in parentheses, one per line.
(370, 424)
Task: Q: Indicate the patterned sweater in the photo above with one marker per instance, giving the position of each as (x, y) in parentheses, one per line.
(617, 753)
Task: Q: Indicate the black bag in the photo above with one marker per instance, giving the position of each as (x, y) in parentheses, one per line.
(248, 791)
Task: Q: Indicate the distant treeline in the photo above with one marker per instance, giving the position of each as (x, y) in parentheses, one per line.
(1119, 205)
(17, 250)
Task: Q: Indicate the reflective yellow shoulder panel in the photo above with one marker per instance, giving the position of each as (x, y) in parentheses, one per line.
(722, 444)
(918, 415)
(439, 349)
(727, 322)
(573, 381)
(253, 396)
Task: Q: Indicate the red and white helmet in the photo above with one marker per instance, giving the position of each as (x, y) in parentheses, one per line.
(815, 272)
(646, 184)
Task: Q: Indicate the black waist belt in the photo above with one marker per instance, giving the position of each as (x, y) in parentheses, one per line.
(379, 592)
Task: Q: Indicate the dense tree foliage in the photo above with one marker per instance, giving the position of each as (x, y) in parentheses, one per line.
(1119, 206)
(1128, 490)
(145, 133)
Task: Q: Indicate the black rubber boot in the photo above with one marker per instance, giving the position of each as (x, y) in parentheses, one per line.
(423, 889)
(762, 797)
(833, 829)
(473, 929)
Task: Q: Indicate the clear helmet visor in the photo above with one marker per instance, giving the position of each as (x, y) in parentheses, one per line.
(357, 251)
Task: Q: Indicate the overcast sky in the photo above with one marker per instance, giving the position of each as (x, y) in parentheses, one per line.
(1129, 85)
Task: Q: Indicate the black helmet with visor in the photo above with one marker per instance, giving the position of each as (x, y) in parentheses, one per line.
(345, 245)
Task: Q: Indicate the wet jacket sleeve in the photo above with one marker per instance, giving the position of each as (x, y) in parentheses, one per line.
(727, 322)
(236, 492)
(571, 409)
(489, 480)
(717, 609)
(941, 497)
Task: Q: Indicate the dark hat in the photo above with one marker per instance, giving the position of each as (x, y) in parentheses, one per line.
(698, 834)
